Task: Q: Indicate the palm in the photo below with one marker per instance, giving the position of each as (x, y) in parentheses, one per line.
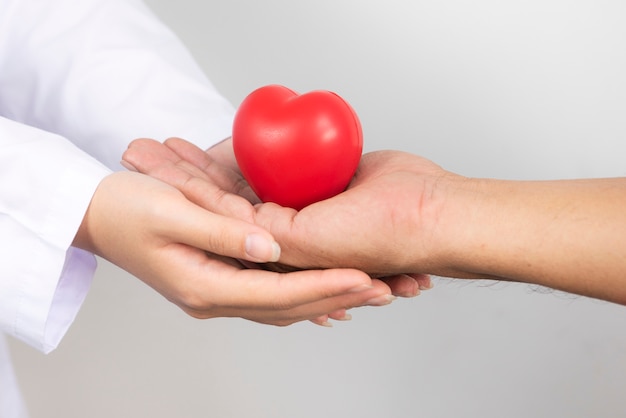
(370, 226)
(214, 285)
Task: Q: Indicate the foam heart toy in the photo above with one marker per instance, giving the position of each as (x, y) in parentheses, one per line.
(294, 149)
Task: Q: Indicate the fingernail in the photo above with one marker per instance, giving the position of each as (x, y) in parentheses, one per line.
(427, 287)
(414, 293)
(128, 165)
(262, 249)
(361, 288)
(346, 317)
(381, 300)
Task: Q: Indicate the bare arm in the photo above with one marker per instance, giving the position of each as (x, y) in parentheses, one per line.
(405, 214)
(568, 235)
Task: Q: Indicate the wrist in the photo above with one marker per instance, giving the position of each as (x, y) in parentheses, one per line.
(490, 229)
(101, 217)
(464, 221)
(84, 238)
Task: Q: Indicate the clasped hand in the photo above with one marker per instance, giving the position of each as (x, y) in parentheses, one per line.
(184, 223)
(400, 214)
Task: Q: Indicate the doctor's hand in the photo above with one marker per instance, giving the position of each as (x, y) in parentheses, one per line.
(187, 254)
(211, 178)
(195, 172)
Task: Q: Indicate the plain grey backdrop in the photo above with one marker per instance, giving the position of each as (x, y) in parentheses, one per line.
(517, 90)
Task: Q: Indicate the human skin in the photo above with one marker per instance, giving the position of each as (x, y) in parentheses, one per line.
(211, 179)
(402, 213)
(189, 255)
(405, 214)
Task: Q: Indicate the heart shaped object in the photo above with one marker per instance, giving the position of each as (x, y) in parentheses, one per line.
(294, 149)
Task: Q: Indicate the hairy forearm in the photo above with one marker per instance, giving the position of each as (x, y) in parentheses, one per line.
(568, 235)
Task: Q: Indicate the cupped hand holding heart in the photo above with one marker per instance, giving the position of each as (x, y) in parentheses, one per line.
(295, 150)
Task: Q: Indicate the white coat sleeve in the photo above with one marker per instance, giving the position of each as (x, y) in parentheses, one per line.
(45, 188)
(104, 72)
(79, 79)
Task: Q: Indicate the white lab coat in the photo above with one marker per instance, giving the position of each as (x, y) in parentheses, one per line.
(79, 79)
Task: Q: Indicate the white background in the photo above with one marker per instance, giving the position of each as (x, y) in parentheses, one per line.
(518, 90)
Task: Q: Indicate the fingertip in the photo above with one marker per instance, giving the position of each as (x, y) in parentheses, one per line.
(275, 252)
(403, 285)
(425, 282)
(361, 287)
(322, 321)
(340, 315)
(127, 165)
(381, 300)
(172, 140)
(260, 248)
(141, 153)
(271, 210)
(138, 142)
(180, 146)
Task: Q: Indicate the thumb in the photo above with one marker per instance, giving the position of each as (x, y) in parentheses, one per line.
(276, 219)
(291, 228)
(223, 235)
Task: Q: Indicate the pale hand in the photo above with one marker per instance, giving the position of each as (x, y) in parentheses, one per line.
(212, 180)
(152, 231)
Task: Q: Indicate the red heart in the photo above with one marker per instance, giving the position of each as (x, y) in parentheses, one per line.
(293, 149)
